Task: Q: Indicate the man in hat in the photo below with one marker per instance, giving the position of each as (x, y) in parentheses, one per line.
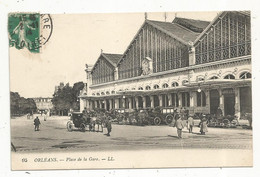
(109, 126)
(190, 123)
(36, 124)
(179, 125)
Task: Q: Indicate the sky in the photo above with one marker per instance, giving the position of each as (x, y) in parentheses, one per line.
(77, 39)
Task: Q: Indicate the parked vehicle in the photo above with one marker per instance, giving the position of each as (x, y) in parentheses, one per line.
(223, 121)
(80, 121)
(163, 115)
(77, 121)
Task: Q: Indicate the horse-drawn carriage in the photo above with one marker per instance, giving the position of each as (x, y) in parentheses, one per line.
(82, 121)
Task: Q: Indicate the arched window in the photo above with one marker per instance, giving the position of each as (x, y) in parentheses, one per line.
(93, 94)
(156, 86)
(113, 92)
(147, 87)
(133, 88)
(175, 84)
(126, 89)
(213, 77)
(201, 79)
(140, 88)
(229, 76)
(165, 85)
(201, 99)
(98, 94)
(184, 82)
(245, 75)
(102, 93)
(107, 93)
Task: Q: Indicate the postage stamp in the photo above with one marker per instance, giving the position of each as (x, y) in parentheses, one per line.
(29, 30)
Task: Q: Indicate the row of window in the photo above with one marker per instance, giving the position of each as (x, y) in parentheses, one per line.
(244, 75)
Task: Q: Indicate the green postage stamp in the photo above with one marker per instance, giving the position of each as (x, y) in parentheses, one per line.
(29, 30)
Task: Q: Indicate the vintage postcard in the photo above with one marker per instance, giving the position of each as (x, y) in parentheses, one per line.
(130, 90)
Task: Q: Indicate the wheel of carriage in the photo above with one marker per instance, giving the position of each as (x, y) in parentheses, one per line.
(226, 123)
(168, 119)
(157, 121)
(82, 127)
(69, 126)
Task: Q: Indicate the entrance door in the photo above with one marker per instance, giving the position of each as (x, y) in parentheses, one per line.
(148, 101)
(245, 100)
(156, 101)
(108, 105)
(214, 101)
(229, 104)
(140, 102)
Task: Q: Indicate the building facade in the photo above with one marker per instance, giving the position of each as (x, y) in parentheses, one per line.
(43, 104)
(187, 63)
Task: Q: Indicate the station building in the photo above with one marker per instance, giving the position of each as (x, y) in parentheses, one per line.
(189, 63)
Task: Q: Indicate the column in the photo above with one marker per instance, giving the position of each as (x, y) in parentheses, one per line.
(96, 103)
(180, 99)
(152, 101)
(221, 101)
(87, 104)
(123, 102)
(192, 95)
(144, 101)
(169, 99)
(81, 104)
(105, 104)
(237, 102)
(160, 100)
(116, 103)
(192, 107)
(110, 104)
(192, 59)
(130, 103)
(207, 101)
(136, 102)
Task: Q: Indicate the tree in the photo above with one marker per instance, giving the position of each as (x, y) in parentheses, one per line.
(67, 98)
(20, 105)
(14, 102)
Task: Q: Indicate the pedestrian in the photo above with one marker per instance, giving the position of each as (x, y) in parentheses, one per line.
(219, 113)
(182, 112)
(109, 126)
(190, 123)
(36, 124)
(203, 125)
(45, 116)
(179, 125)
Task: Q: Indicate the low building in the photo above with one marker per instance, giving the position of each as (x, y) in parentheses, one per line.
(187, 63)
(43, 104)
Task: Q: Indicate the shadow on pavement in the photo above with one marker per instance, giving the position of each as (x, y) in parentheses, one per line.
(173, 136)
